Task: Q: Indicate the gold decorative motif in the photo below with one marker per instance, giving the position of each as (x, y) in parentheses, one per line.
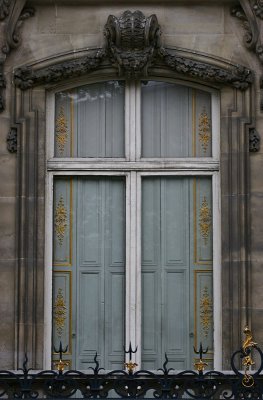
(206, 311)
(200, 365)
(205, 220)
(204, 130)
(60, 220)
(130, 366)
(61, 364)
(60, 312)
(61, 130)
(247, 361)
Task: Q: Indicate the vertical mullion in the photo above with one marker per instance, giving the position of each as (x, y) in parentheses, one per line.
(132, 119)
(137, 134)
(217, 288)
(138, 272)
(131, 200)
(48, 271)
(215, 116)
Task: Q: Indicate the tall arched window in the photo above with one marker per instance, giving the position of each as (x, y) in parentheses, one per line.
(133, 203)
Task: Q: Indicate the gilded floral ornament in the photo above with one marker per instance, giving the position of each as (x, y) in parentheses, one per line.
(61, 130)
(206, 311)
(204, 130)
(60, 220)
(60, 312)
(205, 220)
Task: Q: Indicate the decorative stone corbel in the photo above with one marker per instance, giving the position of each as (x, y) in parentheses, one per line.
(14, 13)
(254, 140)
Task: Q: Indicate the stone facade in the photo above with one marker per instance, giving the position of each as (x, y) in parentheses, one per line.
(45, 42)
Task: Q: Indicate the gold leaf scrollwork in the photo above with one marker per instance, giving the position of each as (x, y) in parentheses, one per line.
(204, 130)
(61, 130)
(60, 220)
(60, 312)
(205, 220)
(206, 311)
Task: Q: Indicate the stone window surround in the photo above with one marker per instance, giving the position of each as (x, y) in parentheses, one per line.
(30, 121)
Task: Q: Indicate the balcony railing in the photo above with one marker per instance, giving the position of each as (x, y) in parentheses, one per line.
(246, 383)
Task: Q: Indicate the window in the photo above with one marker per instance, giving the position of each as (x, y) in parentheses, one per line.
(133, 183)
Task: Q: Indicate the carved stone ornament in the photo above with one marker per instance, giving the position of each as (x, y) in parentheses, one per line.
(254, 140)
(26, 77)
(12, 140)
(4, 8)
(2, 86)
(15, 13)
(247, 12)
(132, 42)
(132, 46)
(258, 8)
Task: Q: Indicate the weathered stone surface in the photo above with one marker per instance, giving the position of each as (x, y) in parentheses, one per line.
(7, 227)
(7, 313)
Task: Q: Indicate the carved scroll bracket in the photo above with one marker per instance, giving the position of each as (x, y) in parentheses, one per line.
(250, 13)
(14, 14)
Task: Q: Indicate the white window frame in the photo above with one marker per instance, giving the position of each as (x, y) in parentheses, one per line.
(134, 168)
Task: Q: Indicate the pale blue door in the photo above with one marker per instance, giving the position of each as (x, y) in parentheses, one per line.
(176, 270)
(89, 292)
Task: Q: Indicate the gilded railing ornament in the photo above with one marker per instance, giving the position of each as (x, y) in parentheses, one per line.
(60, 220)
(247, 361)
(205, 220)
(204, 130)
(206, 311)
(60, 312)
(60, 365)
(130, 366)
(200, 364)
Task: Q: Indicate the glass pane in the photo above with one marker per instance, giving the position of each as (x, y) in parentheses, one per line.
(176, 270)
(89, 121)
(176, 121)
(89, 270)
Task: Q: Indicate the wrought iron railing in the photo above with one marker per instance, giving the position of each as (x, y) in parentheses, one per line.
(164, 384)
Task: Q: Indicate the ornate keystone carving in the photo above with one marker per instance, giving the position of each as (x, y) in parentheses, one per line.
(132, 42)
(254, 140)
